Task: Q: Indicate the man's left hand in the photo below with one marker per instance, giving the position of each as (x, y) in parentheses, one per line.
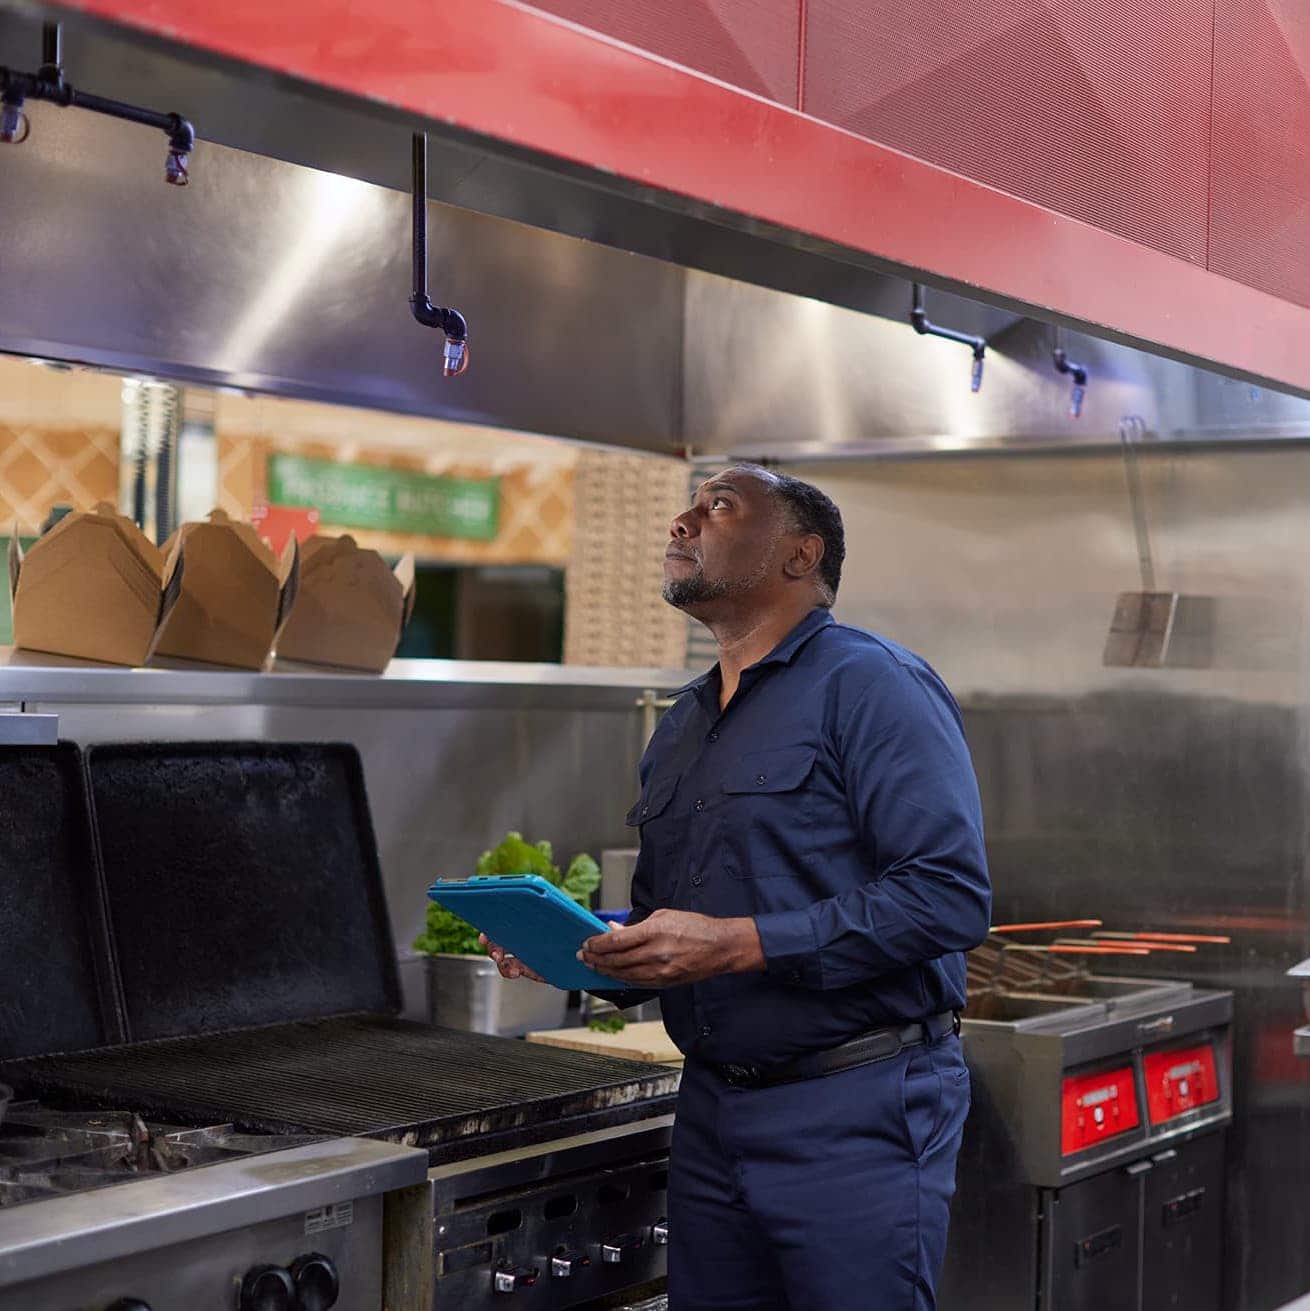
(672, 947)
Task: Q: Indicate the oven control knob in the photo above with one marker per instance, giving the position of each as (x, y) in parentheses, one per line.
(317, 1283)
(659, 1233)
(267, 1288)
(129, 1304)
(614, 1250)
(564, 1264)
(509, 1278)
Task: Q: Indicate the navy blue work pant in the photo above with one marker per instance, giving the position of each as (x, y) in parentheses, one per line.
(829, 1193)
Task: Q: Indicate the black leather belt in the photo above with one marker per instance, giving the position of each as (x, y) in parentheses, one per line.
(876, 1045)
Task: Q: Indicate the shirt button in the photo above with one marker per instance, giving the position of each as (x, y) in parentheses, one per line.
(696, 880)
(645, 810)
(705, 1030)
(714, 737)
(700, 805)
(761, 779)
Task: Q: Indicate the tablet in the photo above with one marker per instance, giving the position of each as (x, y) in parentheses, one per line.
(533, 920)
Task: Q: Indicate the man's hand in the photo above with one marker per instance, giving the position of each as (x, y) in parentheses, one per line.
(510, 967)
(674, 946)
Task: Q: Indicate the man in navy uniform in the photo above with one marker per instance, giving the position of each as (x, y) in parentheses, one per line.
(811, 872)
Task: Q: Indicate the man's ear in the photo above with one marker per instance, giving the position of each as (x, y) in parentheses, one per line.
(804, 558)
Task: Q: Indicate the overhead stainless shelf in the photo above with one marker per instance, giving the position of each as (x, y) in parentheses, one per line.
(29, 678)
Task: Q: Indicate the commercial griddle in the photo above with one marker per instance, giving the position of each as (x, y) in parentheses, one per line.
(254, 978)
(194, 943)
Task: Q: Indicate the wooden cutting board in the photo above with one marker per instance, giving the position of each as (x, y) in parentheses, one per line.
(645, 1040)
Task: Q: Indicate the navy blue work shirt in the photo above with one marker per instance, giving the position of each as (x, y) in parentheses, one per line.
(834, 801)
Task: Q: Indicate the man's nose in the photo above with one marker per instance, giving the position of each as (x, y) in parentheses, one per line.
(682, 526)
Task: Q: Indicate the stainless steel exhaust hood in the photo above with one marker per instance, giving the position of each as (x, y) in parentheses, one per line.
(596, 313)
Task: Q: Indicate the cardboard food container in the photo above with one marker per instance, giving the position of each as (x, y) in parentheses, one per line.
(227, 594)
(350, 608)
(91, 587)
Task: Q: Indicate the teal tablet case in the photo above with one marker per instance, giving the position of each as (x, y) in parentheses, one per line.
(532, 919)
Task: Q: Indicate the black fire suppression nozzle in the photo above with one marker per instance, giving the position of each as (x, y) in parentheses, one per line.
(920, 322)
(455, 353)
(49, 84)
(1077, 373)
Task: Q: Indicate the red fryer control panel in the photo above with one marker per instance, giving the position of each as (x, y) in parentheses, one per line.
(1097, 1106)
(1179, 1081)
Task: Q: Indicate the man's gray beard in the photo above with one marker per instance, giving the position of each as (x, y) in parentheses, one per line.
(696, 590)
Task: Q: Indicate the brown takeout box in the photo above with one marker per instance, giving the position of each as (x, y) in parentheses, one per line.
(91, 587)
(96, 587)
(350, 608)
(232, 594)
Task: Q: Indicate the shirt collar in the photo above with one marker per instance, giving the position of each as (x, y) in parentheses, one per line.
(782, 654)
(787, 650)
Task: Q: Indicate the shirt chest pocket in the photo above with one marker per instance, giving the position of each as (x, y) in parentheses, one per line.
(768, 825)
(653, 802)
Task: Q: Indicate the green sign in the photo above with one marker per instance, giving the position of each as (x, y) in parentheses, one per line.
(395, 500)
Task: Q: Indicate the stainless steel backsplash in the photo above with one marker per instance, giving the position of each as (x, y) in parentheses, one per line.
(1162, 798)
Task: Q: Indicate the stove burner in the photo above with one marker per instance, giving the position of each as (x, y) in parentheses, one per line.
(48, 1153)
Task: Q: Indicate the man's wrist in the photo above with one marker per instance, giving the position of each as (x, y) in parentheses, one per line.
(744, 951)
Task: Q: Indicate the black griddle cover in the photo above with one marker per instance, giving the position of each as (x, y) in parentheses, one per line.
(56, 989)
(242, 883)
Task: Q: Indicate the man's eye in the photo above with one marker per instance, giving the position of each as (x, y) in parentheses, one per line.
(719, 500)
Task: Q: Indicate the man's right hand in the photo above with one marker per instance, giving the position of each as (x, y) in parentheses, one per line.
(510, 967)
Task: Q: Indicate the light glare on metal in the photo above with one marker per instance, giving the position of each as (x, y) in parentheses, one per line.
(454, 357)
(175, 168)
(15, 127)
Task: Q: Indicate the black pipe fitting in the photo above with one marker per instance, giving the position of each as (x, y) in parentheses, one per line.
(449, 321)
(1077, 373)
(920, 322)
(49, 84)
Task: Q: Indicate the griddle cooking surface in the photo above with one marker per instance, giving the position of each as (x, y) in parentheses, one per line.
(364, 1075)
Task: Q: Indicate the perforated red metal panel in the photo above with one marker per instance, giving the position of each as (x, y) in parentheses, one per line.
(1260, 187)
(753, 44)
(1099, 109)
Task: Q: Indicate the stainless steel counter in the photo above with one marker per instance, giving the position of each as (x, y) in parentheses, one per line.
(94, 1230)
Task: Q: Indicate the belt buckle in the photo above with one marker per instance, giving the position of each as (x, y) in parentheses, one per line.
(740, 1076)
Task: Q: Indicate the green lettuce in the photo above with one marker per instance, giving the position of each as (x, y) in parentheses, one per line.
(445, 932)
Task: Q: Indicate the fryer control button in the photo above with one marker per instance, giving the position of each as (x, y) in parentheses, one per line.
(317, 1283)
(614, 1250)
(565, 1263)
(509, 1278)
(267, 1288)
(129, 1304)
(659, 1234)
